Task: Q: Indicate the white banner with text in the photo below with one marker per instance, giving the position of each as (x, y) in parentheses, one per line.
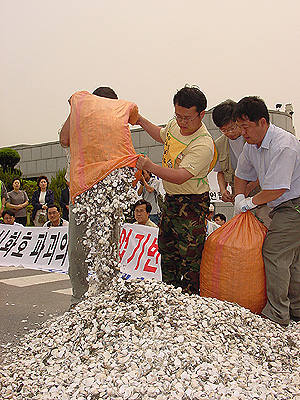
(37, 248)
(47, 249)
(139, 254)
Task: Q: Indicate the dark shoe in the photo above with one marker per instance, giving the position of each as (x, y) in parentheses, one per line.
(73, 305)
(296, 319)
(265, 317)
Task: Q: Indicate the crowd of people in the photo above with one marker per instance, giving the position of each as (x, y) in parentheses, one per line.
(14, 204)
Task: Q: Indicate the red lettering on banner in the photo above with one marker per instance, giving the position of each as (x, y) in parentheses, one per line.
(143, 248)
(149, 268)
(140, 237)
(154, 249)
(123, 239)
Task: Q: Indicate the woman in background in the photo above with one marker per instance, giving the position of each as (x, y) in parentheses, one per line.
(18, 201)
(41, 198)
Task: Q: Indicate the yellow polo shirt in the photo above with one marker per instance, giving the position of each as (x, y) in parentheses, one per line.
(194, 153)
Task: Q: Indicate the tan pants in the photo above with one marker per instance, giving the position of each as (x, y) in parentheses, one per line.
(262, 214)
(281, 253)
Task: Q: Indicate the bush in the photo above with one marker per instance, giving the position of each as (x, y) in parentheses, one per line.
(7, 178)
(30, 187)
(58, 183)
(9, 158)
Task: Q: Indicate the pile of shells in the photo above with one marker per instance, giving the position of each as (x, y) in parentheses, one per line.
(103, 209)
(145, 339)
(148, 340)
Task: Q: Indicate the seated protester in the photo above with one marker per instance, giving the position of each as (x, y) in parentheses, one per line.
(54, 216)
(219, 219)
(142, 210)
(9, 218)
(211, 226)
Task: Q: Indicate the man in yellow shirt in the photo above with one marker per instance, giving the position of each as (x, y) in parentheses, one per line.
(189, 155)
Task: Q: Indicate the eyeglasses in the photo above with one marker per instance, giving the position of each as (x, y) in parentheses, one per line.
(185, 119)
(139, 211)
(232, 129)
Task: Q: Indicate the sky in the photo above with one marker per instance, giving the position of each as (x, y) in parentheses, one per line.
(146, 50)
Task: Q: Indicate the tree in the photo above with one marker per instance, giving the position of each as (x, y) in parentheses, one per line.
(58, 183)
(9, 158)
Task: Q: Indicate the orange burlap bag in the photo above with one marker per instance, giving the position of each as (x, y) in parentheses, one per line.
(100, 139)
(232, 266)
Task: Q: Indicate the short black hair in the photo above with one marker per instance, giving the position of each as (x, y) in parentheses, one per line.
(221, 216)
(16, 178)
(105, 91)
(222, 113)
(252, 108)
(8, 212)
(53, 205)
(190, 96)
(42, 177)
(140, 203)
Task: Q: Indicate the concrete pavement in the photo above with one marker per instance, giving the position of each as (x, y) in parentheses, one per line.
(29, 297)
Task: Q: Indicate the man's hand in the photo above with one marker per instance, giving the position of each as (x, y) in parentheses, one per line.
(227, 197)
(143, 162)
(242, 204)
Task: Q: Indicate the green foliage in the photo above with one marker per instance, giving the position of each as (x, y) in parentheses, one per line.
(30, 187)
(7, 178)
(9, 158)
(58, 183)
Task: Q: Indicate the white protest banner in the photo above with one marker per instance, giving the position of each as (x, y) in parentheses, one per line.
(139, 254)
(37, 248)
(214, 193)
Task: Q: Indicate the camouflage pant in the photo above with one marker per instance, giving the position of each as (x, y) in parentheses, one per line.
(181, 239)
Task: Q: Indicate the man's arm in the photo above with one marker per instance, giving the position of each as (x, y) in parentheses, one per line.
(250, 186)
(226, 196)
(177, 176)
(240, 186)
(64, 137)
(152, 129)
(265, 196)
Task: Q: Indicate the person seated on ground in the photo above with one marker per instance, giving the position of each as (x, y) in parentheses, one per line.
(211, 226)
(220, 219)
(142, 210)
(9, 218)
(54, 216)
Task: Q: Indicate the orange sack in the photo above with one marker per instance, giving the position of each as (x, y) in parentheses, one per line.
(232, 266)
(100, 139)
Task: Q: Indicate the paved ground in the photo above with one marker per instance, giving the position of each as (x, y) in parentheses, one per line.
(29, 297)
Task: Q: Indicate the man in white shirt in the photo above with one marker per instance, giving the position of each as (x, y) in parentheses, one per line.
(272, 155)
(150, 190)
(54, 216)
(230, 146)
